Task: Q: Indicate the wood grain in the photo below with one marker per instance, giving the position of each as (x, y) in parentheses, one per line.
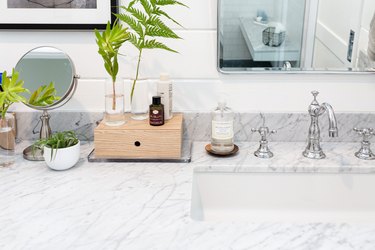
(138, 139)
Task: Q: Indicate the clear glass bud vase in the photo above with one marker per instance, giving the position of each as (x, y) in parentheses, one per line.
(7, 140)
(141, 100)
(114, 103)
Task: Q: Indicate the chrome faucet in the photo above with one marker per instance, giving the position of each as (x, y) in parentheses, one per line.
(313, 149)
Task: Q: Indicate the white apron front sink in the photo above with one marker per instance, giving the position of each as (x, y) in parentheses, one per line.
(283, 197)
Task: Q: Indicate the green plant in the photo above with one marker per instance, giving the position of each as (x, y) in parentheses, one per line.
(12, 90)
(109, 43)
(145, 21)
(45, 95)
(58, 140)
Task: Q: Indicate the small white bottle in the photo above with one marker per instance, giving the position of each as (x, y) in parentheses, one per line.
(164, 90)
(222, 131)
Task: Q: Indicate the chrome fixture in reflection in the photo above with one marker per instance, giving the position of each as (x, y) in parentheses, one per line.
(313, 149)
(263, 150)
(365, 152)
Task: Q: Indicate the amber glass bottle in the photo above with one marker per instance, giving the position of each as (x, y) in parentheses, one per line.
(156, 112)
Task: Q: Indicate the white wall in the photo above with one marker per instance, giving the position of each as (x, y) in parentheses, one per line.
(197, 80)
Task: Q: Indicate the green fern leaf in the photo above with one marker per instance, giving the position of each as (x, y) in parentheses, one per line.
(147, 7)
(156, 31)
(153, 44)
(132, 3)
(169, 2)
(135, 41)
(159, 12)
(156, 21)
(133, 24)
(138, 14)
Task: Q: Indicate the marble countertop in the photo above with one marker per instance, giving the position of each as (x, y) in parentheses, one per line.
(287, 158)
(141, 206)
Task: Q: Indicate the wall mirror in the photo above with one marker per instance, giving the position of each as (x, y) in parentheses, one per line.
(294, 35)
(41, 66)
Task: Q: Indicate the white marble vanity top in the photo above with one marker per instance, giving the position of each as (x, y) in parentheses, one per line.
(287, 158)
(146, 206)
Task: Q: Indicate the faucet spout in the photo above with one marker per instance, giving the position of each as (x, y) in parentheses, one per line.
(313, 149)
(333, 131)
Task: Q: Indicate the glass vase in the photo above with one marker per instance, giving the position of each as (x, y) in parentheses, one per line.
(114, 103)
(7, 140)
(140, 103)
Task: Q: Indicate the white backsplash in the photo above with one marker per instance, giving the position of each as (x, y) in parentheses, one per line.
(197, 81)
(291, 127)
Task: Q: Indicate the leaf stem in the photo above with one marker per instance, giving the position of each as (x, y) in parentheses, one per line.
(114, 94)
(136, 75)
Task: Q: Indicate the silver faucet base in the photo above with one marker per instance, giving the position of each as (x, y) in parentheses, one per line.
(365, 155)
(264, 155)
(314, 154)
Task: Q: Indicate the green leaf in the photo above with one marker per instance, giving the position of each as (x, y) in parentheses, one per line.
(44, 96)
(160, 12)
(170, 2)
(147, 6)
(56, 141)
(133, 23)
(109, 43)
(153, 44)
(157, 31)
(145, 26)
(12, 90)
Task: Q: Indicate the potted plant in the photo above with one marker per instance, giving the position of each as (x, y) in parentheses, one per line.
(60, 151)
(144, 17)
(11, 90)
(109, 43)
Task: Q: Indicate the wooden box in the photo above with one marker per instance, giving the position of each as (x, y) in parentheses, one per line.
(139, 140)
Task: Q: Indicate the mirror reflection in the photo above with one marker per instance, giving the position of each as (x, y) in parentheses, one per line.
(294, 35)
(43, 66)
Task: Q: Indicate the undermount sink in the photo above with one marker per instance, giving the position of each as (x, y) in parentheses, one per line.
(283, 197)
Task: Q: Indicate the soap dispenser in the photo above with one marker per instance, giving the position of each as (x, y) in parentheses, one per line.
(222, 131)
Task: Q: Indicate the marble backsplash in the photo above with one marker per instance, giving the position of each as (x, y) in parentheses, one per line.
(292, 127)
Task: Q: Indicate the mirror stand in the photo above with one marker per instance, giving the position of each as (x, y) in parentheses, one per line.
(45, 131)
(46, 65)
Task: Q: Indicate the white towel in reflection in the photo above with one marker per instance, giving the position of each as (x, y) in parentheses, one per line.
(371, 42)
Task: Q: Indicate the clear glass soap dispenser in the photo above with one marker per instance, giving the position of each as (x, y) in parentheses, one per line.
(222, 129)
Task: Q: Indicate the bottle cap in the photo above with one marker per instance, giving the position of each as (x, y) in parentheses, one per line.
(156, 100)
(164, 77)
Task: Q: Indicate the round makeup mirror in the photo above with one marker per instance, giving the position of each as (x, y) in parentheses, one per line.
(41, 67)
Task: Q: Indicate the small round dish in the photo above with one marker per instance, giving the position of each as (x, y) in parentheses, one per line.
(222, 154)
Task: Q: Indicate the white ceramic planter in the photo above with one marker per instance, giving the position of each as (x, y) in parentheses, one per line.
(63, 158)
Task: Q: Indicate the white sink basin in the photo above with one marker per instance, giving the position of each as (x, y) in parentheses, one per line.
(283, 197)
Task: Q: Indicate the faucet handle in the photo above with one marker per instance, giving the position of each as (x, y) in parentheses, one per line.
(315, 93)
(263, 150)
(365, 152)
(367, 133)
(264, 131)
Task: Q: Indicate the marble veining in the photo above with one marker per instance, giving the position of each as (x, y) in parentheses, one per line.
(287, 158)
(140, 206)
(290, 126)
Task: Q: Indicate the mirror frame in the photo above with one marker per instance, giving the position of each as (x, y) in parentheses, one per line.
(247, 71)
(70, 91)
